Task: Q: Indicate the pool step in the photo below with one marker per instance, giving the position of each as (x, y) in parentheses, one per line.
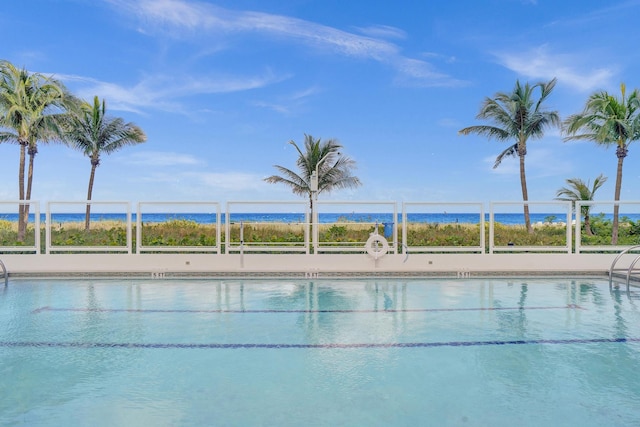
(5, 273)
(629, 270)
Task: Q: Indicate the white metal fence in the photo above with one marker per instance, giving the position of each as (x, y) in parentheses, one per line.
(107, 218)
(592, 239)
(332, 235)
(172, 227)
(9, 212)
(334, 227)
(500, 234)
(245, 232)
(464, 222)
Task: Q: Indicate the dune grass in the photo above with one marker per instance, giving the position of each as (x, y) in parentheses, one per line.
(178, 232)
(434, 234)
(186, 233)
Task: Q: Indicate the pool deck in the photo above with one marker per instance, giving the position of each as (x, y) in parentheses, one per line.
(308, 265)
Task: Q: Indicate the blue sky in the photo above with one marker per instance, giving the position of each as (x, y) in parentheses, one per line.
(221, 86)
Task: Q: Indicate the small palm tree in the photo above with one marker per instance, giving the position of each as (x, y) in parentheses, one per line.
(333, 168)
(608, 120)
(94, 133)
(517, 116)
(32, 108)
(578, 190)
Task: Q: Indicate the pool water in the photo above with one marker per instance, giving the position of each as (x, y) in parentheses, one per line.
(401, 352)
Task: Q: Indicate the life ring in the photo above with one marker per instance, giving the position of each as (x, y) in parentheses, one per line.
(377, 250)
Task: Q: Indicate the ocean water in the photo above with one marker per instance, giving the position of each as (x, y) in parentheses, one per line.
(209, 218)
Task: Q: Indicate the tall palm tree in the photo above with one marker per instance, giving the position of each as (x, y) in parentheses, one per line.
(32, 108)
(608, 120)
(517, 116)
(94, 133)
(334, 169)
(578, 190)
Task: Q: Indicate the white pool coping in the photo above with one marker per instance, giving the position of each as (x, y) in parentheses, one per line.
(308, 265)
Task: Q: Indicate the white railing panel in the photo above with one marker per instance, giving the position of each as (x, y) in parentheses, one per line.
(507, 230)
(66, 231)
(461, 225)
(9, 224)
(601, 223)
(336, 226)
(258, 226)
(345, 226)
(184, 226)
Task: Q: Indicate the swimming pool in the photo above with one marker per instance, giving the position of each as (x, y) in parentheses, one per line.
(472, 352)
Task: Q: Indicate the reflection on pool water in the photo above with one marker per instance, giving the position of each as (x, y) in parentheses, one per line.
(472, 352)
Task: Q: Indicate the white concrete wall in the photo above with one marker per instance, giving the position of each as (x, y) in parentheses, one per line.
(309, 264)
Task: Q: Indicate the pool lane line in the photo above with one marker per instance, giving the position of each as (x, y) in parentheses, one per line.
(81, 345)
(221, 311)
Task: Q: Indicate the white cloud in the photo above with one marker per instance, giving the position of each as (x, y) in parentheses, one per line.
(419, 73)
(203, 185)
(278, 108)
(305, 93)
(159, 158)
(235, 181)
(182, 18)
(383, 31)
(161, 92)
(289, 104)
(440, 57)
(539, 63)
(170, 13)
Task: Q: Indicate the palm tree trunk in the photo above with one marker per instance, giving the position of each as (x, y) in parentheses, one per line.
(616, 207)
(525, 195)
(587, 225)
(27, 196)
(89, 191)
(22, 226)
(24, 211)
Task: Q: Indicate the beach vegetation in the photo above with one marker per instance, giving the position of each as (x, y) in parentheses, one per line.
(186, 233)
(609, 120)
(578, 190)
(434, 234)
(95, 134)
(336, 233)
(517, 116)
(178, 232)
(110, 233)
(9, 235)
(547, 234)
(348, 233)
(628, 231)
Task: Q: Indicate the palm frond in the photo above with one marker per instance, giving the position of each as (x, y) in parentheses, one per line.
(90, 130)
(509, 152)
(516, 116)
(334, 168)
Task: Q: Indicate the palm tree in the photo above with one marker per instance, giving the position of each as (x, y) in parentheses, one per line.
(578, 190)
(517, 116)
(333, 168)
(32, 107)
(94, 133)
(608, 120)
